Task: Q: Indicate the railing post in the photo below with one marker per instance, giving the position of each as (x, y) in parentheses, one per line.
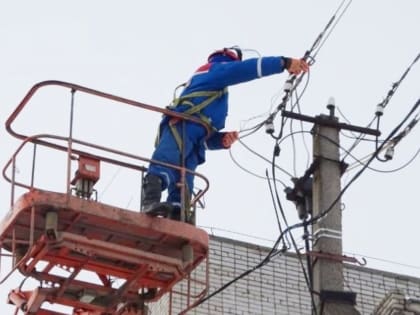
(70, 142)
(33, 166)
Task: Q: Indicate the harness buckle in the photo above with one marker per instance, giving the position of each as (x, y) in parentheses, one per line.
(174, 121)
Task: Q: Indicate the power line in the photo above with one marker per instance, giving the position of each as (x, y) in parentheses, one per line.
(381, 106)
(255, 237)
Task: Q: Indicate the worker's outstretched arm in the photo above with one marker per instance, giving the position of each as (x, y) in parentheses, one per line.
(225, 74)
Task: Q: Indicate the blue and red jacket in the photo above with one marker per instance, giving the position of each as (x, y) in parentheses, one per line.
(217, 76)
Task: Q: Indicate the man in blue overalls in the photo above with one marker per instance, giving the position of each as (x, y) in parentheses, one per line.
(205, 96)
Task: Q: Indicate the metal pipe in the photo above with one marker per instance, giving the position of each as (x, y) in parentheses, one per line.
(33, 166)
(70, 143)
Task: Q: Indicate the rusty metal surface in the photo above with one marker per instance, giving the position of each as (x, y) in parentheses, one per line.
(95, 257)
(142, 251)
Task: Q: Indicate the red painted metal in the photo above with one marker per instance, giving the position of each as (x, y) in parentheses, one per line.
(96, 258)
(88, 169)
(76, 87)
(143, 252)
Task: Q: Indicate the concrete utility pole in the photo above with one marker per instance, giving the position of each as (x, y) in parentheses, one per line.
(328, 277)
(326, 254)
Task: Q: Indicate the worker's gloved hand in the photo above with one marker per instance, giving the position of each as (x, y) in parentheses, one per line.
(296, 66)
(229, 138)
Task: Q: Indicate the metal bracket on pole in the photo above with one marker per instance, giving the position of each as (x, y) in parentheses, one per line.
(342, 258)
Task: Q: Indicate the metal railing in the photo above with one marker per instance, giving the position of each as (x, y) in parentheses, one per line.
(67, 144)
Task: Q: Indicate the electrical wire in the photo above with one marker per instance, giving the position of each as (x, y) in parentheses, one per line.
(212, 228)
(276, 212)
(293, 149)
(229, 283)
(305, 274)
(293, 105)
(360, 160)
(248, 171)
(354, 136)
(322, 41)
(323, 213)
(267, 259)
(111, 180)
(283, 214)
(310, 55)
(384, 103)
(279, 139)
(296, 104)
(313, 220)
(303, 138)
(251, 130)
(393, 142)
(263, 158)
(406, 164)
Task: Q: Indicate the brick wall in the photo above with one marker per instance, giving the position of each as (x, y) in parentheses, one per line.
(279, 287)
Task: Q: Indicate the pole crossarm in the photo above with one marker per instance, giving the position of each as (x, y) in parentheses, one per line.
(326, 121)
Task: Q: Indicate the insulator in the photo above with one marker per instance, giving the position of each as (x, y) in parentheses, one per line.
(269, 126)
(379, 110)
(287, 86)
(331, 101)
(331, 106)
(389, 153)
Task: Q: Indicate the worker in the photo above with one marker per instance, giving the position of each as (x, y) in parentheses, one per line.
(205, 96)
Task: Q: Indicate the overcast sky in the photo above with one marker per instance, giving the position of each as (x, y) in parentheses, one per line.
(142, 50)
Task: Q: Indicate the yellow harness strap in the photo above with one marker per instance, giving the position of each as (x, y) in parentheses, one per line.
(194, 109)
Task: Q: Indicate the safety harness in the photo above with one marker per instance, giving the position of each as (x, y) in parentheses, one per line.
(193, 110)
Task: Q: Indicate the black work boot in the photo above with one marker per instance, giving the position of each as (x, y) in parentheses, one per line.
(175, 213)
(152, 192)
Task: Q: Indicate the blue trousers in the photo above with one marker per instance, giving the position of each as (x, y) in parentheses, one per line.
(168, 151)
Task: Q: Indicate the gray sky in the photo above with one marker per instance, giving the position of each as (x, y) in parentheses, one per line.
(142, 50)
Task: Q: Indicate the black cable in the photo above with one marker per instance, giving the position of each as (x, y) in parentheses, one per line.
(322, 41)
(276, 193)
(273, 252)
(301, 123)
(398, 168)
(306, 277)
(308, 258)
(296, 104)
(223, 287)
(394, 141)
(293, 81)
(378, 170)
(263, 158)
(278, 139)
(313, 220)
(357, 137)
(359, 161)
(396, 84)
(248, 171)
(377, 141)
(391, 170)
(22, 283)
(390, 94)
(276, 211)
(293, 105)
(251, 130)
(293, 146)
